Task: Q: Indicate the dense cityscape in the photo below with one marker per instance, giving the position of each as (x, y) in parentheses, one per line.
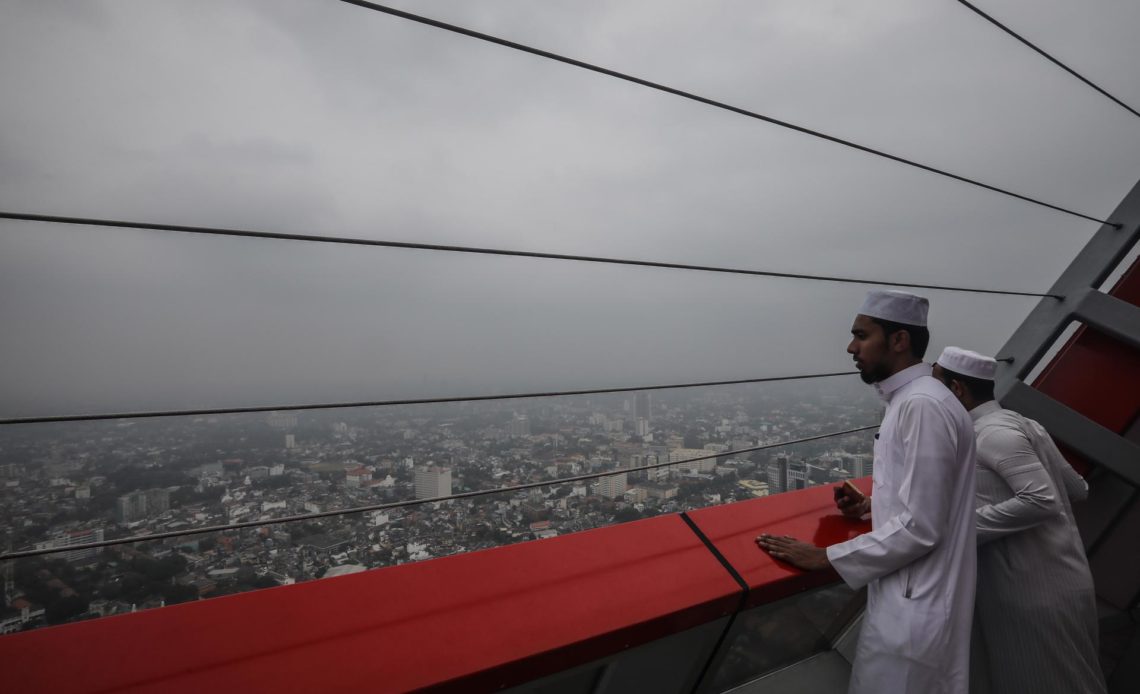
(66, 485)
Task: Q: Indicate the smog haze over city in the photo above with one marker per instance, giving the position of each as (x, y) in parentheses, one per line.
(316, 117)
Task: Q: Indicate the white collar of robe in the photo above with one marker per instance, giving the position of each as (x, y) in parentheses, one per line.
(889, 386)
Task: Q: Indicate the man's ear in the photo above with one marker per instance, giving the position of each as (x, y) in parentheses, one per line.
(957, 388)
(900, 341)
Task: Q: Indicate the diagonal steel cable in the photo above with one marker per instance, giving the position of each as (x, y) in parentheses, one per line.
(420, 19)
(412, 401)
(356, 241)
(978, 11)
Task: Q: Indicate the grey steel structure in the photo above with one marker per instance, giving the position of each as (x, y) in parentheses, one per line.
(1110, 520)
(1081, 301)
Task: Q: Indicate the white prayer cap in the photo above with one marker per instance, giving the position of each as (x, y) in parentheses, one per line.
(898, 307)
(967, 363)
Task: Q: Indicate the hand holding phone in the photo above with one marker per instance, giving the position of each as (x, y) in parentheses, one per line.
(852, 490)
(850, 501)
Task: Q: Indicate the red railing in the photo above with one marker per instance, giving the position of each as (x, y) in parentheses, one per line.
(471, 622)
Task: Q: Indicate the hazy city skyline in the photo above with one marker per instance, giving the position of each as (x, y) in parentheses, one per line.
(63, 485)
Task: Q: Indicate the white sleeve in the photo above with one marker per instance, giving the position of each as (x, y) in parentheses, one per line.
(928, 469)
(1075, 485)
(1076, 488)
(1009, 453)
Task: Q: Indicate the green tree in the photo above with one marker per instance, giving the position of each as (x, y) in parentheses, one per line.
(626, 515)
(174, 593)
(63, 609)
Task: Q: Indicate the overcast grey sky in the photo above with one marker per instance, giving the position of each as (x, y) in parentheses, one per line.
(318, 117)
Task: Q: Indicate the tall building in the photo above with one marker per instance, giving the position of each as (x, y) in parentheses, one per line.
(641, 426)
(77, 537)
(778, 475)
(648, 458)
(612, 486)
(682, 454)
(290, 441)
(138, 505)
(797, 475)
(131, 507)
(432, 481)
(864, 465)
(642, 404)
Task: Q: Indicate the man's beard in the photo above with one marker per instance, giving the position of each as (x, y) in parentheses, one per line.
(880, 372)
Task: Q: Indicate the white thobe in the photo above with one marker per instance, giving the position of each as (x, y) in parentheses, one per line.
(918, 562)
(1036, 619)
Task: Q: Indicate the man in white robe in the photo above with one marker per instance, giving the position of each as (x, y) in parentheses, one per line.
(1035, 621)
(918, 561)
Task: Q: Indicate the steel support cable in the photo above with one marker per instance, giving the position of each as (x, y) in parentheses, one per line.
(416, 502)
(412, 401)
(716, 104)
(248, 233)
(1048, 57)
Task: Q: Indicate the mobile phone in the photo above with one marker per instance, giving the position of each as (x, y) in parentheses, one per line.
(852, 490)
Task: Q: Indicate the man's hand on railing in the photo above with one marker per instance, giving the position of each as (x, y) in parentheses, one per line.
(802, 555)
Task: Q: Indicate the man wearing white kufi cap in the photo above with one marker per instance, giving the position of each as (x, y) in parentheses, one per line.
(918, 561)
(1035, 628)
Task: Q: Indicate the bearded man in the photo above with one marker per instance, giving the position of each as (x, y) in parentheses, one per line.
(918, 562)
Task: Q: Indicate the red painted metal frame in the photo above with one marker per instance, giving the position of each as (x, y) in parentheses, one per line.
(1097, 375)
(475, 621)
